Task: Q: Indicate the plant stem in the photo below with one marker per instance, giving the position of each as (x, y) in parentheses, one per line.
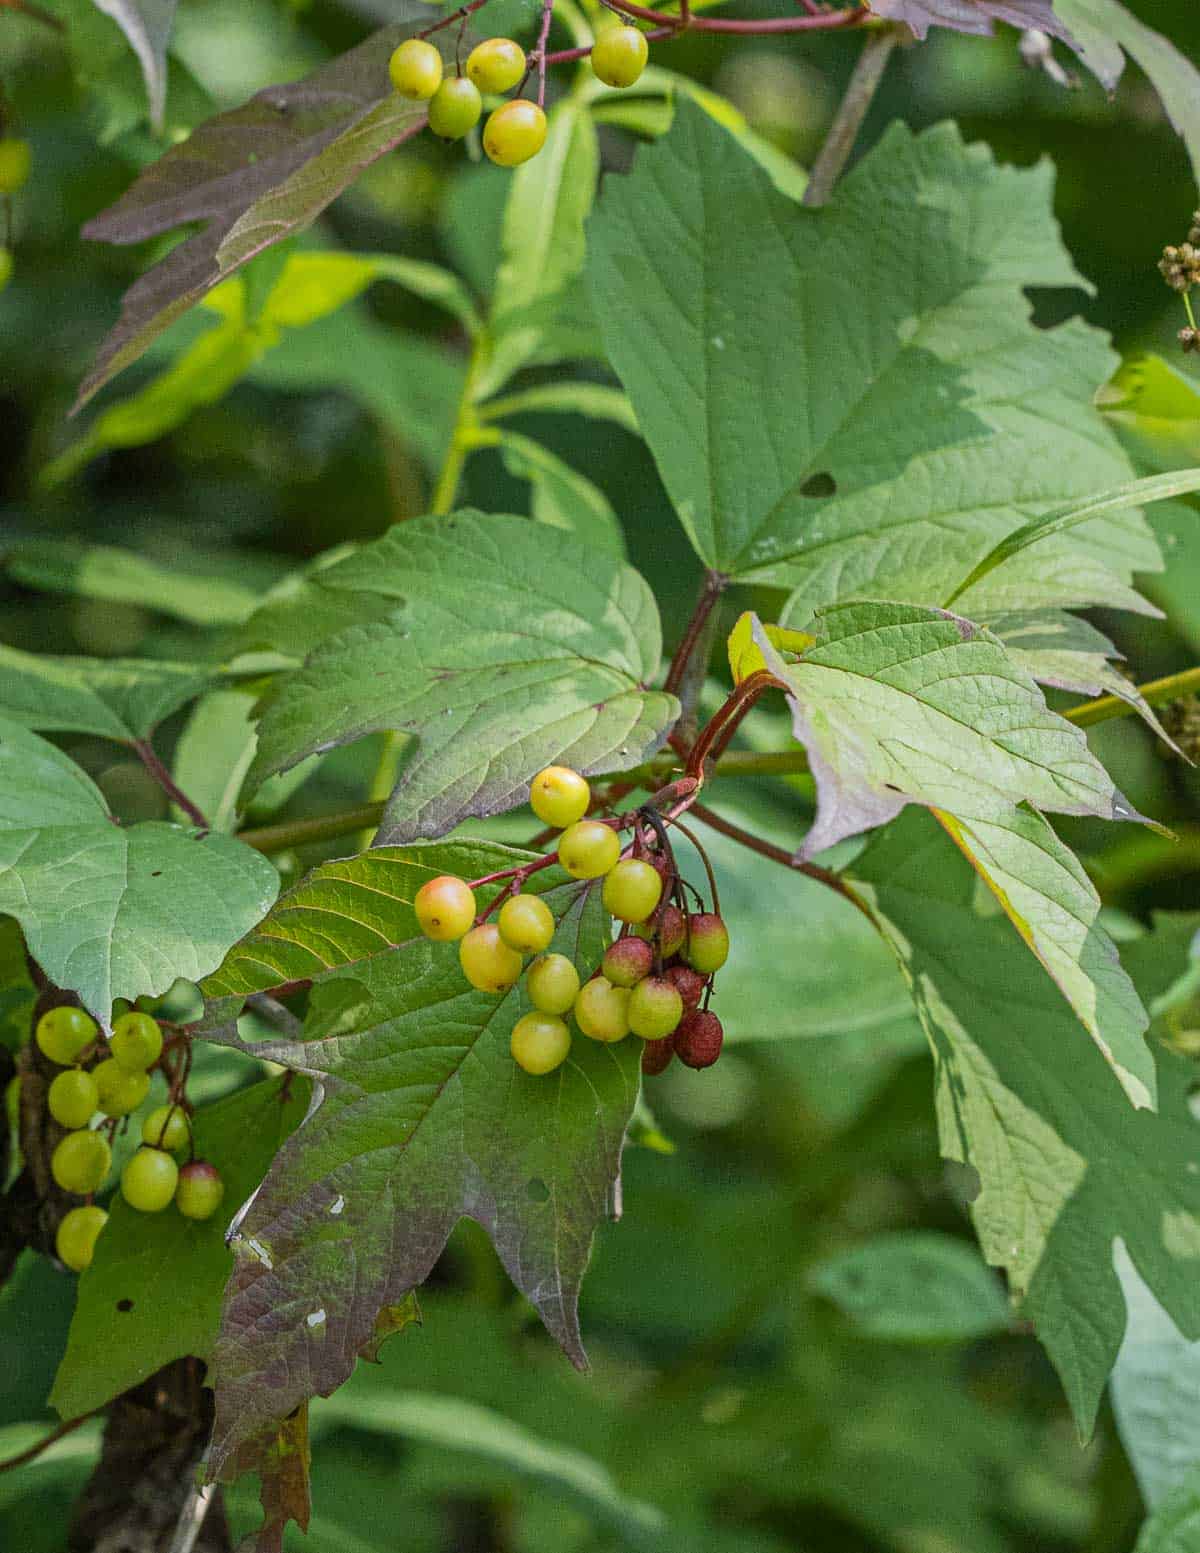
(323, 827)
(1145, 858)
(689, 666)
(44, 1444)
(463, 11)
(146, 754)
(1156, 692)
(852, 110)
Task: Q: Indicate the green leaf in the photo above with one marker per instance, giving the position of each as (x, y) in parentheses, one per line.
(595, 400)
(153, 1291)
(214, 752)
(1175, 1525)
(425, 1119)
(497, 644)
(113, 698)
(913, 1287)
(147, 24)
(1065, 1164)
(886, 452)
(1156, 409)
(562, 497)
(112, 912)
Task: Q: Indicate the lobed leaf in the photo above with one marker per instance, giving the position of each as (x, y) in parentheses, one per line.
(123, 699)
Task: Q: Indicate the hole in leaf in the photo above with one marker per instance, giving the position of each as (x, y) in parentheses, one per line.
(537, 1190)
(822, 484)
(124, 1305)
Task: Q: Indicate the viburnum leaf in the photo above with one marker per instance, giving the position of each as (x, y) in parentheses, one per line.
(114, 698)
(910, 417)
(1065, 1164)
(147, 24)
(255, 175)
(499, 644)
(111, 911)
(425, 1119)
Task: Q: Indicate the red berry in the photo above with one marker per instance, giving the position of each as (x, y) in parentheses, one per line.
(670, 925)
(627, 961)
(688, 983)
(699, 1038)
(656, 1057)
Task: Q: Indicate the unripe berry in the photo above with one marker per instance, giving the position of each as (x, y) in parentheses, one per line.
(688, 983)
(619, 56)
(416, 69)
(487, 961)
(6, 267)
(62, 1033)
(136, 1041)
(149, 1180)
(588, 849)
(655, 1008)
(76, 1236)
(602, 1010)
(670, 926)
(200, 1190)
(73, 1098)
(80, 1162)
(707, 946)
(627, 962)
(526, 924)
(496, 65)
(632, 890)
(120, 1091)
(167, 1128)
(559, 796)
(552, 983)
(540, 1042)
(514, 133)
(699, 1038)
(656, 1057)
(455, 108)
(445, 908)
(15, 161)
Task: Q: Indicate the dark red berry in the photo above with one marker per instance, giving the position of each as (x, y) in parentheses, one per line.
(670, 926)
(656, 1057)
(688, 983)
(627, 961)
(699, 1038)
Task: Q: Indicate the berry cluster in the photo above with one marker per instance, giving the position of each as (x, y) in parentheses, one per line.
(113, 1086)
(653, 976)
(516, 130)
(1180, 268)
(15, 160)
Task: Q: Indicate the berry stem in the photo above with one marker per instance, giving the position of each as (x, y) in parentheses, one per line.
(1155, 692)
(708, 867)
(689, 666)
(1187, 306)
(463, 11)
(539, 53)
(724, 722)
(146, 754)
(852, 110)
(55, 1435)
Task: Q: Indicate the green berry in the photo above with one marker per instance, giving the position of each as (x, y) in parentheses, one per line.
(148, 1181)
(514, 133)
(627, 962)
(167, 1128)
(632, 890)
(669, 927)
(74, 1098)
(540, 1042)
(76, 1236)
(552, 983)
(6, 268)
(619, 56)
(655, 1008)
(15, 161)
(588, 849)
(707, 946)
(455, 108)
(80, 1162)
(62, 1034)
(136, 1041)
(602, 1010)
(487, 961)
(559, 796)
(496, 65)
(416, 69)
(445, 908)
(200, 1190)
(120, 1091)
(526, 924)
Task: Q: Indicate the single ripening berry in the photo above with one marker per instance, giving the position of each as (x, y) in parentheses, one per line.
(487, 961)
(80, 1162)
(514, 133)
(16, 158)
(526, 924)
(540, 1042)
(496, 65)
(655, 1008)
(76, 1236)
(73, 1098)
(199, 1190)
(62, 1033)
(455, 108)
(137, 1041)
(588, 849)
(445, 908)
(120, 1091)
(707, 946)
(416, 69)
(167, 1128)
(688, 983)
(149, 1180)
(602, 1011)
(559, 796)
(632, 890)
(670, 927)
(619, 56)
(699, 1039)
(656, 1057)
(552, 983)
(627, 962)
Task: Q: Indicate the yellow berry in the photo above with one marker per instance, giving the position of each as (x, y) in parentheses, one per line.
(149, 1180)
(455, 108)
(120, 1091)
(552, 983)
(632, 890)
(76, 1236)
(540, 1042)
(588, 849)
(619, 56)
(445, 908)
(73, 1098)
(602, 1010)
(15, 161)
(559, 796)
(416, 69)
(6, 267)
(62, 1034)
(80, 1162)
(496, 65)
(514, 133)
(487, 961)
(137, 1041)
(526, 924)
(167, 1128)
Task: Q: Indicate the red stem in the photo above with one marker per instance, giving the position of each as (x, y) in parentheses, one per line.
(724, 722)
(539, 52)
(822, 21)
(446, 21)
(715, 584)
(145, 753)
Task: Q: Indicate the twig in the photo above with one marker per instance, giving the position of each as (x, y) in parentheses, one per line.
(146, 754)
(44, 1444)
(852, 110)
(1156, 692)
(539, 53)
(446, 21)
